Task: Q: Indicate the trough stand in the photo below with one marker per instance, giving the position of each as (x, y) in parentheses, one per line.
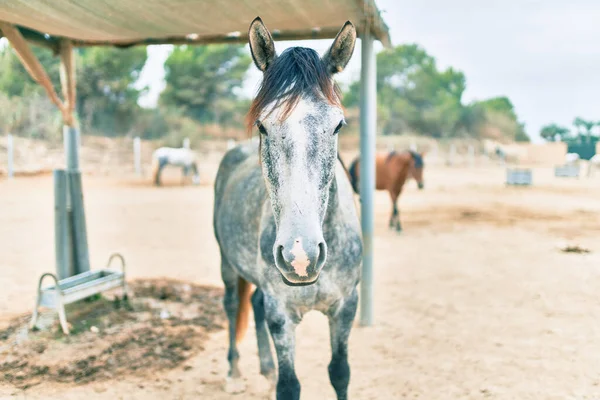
(73, 279)
(567, 171)
(519, 177)
(74, 288)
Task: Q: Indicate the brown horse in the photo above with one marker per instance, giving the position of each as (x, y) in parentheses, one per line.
(391, 172)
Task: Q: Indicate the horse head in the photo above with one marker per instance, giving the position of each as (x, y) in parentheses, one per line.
(298, 113)
(418, 166)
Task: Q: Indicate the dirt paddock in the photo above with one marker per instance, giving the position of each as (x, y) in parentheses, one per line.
(474, 300)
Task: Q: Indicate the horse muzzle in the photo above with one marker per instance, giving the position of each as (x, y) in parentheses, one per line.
(299, 260)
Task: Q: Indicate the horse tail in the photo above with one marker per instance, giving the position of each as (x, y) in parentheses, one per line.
(353, 176)
(243, 314)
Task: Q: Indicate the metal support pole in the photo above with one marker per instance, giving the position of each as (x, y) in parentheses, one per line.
(75, 204)
(368, 128)
(10, 155)
(71, 142)
(79, 228)
(62, 229)
(137, 155)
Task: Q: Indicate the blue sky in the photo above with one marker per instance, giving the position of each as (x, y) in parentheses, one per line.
(543, 54)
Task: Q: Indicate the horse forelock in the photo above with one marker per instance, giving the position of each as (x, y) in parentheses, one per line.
(298, 72)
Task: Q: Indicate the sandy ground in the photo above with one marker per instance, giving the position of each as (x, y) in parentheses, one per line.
(473, 300)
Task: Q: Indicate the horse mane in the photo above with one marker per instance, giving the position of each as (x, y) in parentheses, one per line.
(297, 72)
(353, 176)
(391, 155)
(419, 163)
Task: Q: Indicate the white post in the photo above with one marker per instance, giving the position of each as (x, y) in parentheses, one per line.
(471, 155)
(137, 155)
(186, 143)
(230, 144)
(413, 146)
(452, 154)
(10, 155)
(368, 128)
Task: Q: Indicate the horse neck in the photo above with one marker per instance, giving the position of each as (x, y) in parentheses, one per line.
(400, 167)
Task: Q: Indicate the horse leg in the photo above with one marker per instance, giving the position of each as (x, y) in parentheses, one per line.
(231, 302)
(282, 330)
(395, 219)
(394, 211)
(340, 324)
(161, 165)
(267, 367)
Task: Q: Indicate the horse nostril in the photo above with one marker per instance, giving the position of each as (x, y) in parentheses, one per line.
(280, 259)
(303, 261)
(321, 255)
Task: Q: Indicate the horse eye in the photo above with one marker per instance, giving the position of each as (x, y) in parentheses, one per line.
(261, 128)
(337, 129)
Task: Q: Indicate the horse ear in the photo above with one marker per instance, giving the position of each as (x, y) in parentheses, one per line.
(262, 46)
(341, 50)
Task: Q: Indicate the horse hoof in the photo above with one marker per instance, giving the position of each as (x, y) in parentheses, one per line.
(268, 385)
(235, 385)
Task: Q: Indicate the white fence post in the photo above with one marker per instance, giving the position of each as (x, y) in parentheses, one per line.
(452, 155)
(137, 155)
(186, 143)
(471, 155)
(10, 155)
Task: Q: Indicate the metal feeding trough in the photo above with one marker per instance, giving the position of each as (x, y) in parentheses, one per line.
(78, 287)
(519, 177)
(567, 171)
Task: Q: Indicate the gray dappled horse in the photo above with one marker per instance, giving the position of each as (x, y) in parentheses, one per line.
(284, 214)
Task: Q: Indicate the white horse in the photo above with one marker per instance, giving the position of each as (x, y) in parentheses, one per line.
(180, 157)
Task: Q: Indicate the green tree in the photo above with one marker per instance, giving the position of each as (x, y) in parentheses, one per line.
(584, 127)
(203, 80)
(419, 96)
(500, 112)
(16, 81)
(521, 135)
(500, 104)
(107, 100)
(106, 97)
(553, 131)
(415, 95)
